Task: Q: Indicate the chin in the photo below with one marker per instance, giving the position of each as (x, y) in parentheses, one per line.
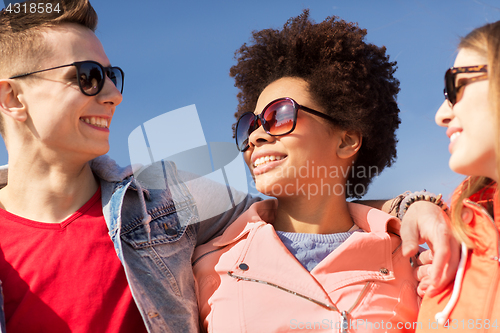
(470, 171)
(97, 151)
(482, 167)
(277, 190)
(266, 189)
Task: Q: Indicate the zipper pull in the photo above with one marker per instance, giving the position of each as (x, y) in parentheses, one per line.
(344, 325)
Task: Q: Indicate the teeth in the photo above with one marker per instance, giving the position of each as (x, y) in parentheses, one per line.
(454, 136)
(267, 159)
(96, 121)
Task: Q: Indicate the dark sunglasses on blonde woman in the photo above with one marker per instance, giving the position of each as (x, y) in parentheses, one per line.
(453, 89)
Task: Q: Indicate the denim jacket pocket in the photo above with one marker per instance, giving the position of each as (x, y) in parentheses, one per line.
(168, 224)
(160, 248)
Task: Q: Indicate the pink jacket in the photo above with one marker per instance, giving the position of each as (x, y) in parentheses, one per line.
(247, 281)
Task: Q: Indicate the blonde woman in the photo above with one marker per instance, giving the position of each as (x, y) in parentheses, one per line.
(471, 114)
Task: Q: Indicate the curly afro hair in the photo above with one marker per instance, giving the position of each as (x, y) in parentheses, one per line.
(351, 79)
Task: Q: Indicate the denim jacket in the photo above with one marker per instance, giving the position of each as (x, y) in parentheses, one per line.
(155, 221)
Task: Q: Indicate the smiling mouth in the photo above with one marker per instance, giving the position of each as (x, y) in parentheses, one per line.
(96, 121)
(267, 159)
(454, 136)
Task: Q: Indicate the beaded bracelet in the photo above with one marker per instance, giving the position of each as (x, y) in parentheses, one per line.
(396, 202)
(420, 196)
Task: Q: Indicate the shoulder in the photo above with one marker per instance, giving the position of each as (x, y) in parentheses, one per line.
(258, 214)
(155, 188)
(105, 168)
(159, 178)
(373, 220)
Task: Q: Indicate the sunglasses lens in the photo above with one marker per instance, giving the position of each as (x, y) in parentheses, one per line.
(91, 78)
(278, 117)
(116, 75)
(245, 126)
(449, 87)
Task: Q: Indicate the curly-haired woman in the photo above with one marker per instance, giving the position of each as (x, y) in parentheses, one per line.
(317, 119)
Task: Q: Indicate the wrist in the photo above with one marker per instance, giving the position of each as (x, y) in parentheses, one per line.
(396, 203)
(411, 198)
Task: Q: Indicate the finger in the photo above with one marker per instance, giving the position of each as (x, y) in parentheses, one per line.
(421, 272)
(425, 258)
(409, 236)
(422, 222)
(439, 270)
(423, 287)
(430, 291)
(440, 279)
(440, 242)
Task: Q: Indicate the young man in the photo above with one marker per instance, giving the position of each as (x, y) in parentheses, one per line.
(59, 269)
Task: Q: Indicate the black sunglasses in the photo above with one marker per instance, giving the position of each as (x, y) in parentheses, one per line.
(453, 93)
(278, 118)
(91, 76)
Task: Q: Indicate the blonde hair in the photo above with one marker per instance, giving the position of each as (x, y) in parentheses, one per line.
(484, 40)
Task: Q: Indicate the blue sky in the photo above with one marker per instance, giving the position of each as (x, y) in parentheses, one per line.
(178, 53)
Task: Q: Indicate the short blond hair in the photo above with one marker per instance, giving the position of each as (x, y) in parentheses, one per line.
(21, 40)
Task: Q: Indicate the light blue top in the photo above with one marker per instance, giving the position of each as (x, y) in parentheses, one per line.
(310, 249)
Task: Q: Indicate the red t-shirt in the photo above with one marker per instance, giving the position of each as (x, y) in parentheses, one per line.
(64, 277)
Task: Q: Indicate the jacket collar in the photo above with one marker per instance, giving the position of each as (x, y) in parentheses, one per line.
(108, 170)
(484, 227)
(263, 212)
(258, 214)
(484, 196)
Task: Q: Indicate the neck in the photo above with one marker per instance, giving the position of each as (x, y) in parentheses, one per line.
(47, 192)
(315, 215)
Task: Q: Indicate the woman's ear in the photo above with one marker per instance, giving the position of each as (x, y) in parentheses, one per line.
(10, 102)
(350, 144)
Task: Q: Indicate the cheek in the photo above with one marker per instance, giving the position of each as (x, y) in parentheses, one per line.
(247, 157)
(475, 154)
(44, 121)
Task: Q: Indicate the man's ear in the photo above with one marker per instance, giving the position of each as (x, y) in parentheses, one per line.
(350, 144)
(10, 103)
